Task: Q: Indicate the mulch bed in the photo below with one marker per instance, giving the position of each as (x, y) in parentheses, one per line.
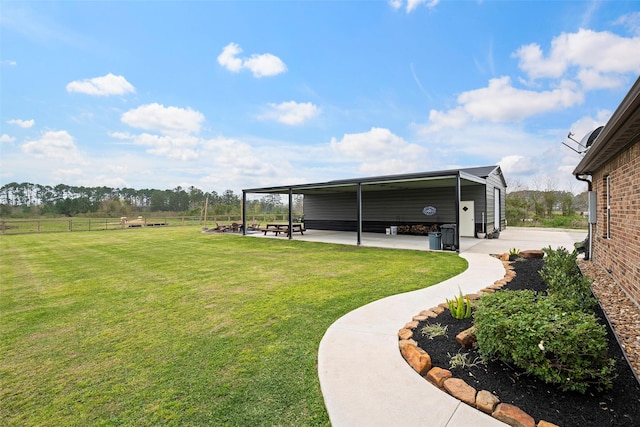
(619, 406)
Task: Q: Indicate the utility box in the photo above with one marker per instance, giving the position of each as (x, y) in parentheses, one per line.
(448, 236)
(591, 203)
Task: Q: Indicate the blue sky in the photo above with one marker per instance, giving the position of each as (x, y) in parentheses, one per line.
(242, 94)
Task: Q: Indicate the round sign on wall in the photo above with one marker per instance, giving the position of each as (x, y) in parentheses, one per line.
(429, 210)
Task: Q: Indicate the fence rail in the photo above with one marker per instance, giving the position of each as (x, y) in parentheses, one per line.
(26, 226)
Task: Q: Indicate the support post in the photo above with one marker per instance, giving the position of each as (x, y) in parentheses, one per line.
(359, 218)
(458, 195)
(290, 213)
(244, 213)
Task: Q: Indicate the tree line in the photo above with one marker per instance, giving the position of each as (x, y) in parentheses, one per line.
(535, 205)
(27, 199)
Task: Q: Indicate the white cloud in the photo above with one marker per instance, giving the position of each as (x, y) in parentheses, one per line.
(413, 4)
(379, 151)
(22, 123)
(176, 147)
(166, 120)
(631, 21)
(228, 58)
(231, 153)
(54, 145)
(438, 120)
(291, 113)
(592, 79)
(67, 175)
(261, 65)
(6, 138)
(501, 102)
(102, 86)
(9, 62)
(600, 52)
(172, 131)
(234, 161)
(518, 165)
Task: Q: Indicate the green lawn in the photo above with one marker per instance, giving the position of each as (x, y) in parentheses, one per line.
(169, 326)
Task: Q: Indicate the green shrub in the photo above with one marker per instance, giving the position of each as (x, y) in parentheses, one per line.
(535, 333)
(565, 281)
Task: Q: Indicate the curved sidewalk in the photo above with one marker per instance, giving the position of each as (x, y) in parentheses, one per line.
(364, 379)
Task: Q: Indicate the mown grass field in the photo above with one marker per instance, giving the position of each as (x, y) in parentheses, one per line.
(169, 326)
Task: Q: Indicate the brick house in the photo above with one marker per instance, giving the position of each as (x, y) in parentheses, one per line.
(613, 164)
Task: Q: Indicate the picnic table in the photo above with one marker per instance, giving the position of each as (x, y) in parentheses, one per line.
(283, 228)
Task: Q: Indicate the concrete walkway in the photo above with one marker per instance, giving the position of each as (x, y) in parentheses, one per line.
(364, 379)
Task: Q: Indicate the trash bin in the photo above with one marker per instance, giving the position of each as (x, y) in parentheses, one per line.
(448, 236)
(435, 242)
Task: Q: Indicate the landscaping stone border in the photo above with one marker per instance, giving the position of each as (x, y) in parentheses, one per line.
(443, 379)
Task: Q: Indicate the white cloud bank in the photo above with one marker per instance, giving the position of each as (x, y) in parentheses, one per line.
(263, 65)
(166, 120)
(379, 151)
(107, 85)
(6, 138)
(25, 124)
(576, 63)
(291, 113)
(411, 5)
(54, 145)
(599, 57)
(172, 131)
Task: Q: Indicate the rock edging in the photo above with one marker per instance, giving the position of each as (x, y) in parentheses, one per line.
(443, 379)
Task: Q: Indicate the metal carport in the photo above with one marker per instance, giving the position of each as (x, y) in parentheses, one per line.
(454, 179)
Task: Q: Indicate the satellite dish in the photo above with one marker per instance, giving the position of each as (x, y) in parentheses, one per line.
(590, 137)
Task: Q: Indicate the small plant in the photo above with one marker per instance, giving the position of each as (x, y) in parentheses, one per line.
(434, 330)
(460, 307)
(462, 360)
(514, 251)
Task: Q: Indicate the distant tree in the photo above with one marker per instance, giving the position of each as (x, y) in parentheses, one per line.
(178, 200)
(566, 203)
(114, 208)
(158, 201)
(580, 202)
(196, 198)
(298, 203)
(271, 203)
(516, 208)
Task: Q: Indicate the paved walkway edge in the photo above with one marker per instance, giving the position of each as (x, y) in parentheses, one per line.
(364, 379)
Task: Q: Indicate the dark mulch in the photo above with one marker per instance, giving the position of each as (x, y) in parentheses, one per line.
(619, 406)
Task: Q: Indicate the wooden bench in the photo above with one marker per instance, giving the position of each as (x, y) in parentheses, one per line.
(275, 230)
(283, 228)
(296, 228)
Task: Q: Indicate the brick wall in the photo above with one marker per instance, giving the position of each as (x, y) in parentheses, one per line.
(620, 253)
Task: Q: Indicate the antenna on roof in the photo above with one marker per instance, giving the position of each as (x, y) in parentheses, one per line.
(567, 145)
(591, 137)
(586, 141)
(574, 140)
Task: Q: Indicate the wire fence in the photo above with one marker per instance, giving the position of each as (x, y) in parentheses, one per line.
(26, 226)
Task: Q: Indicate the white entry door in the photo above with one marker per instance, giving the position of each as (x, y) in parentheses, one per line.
(467, 219)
